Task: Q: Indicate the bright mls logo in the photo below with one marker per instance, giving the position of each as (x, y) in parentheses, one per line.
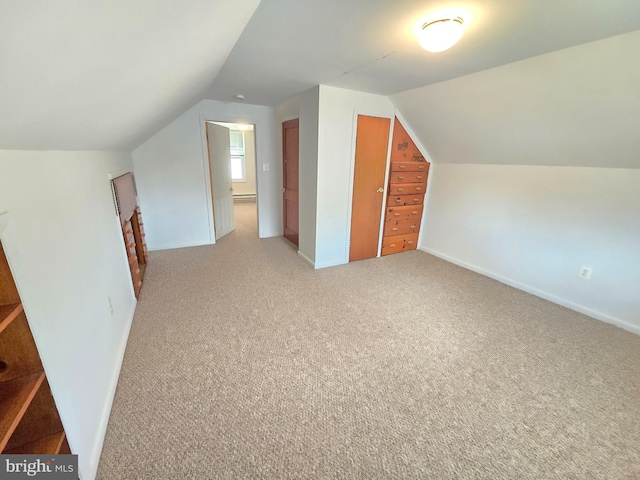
(51, 467)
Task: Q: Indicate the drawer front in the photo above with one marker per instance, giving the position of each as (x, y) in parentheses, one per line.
(135, 271)
(131, 246)
(410, 166)
(399, 243)
(127, 228)
(400, 200)
(407, 188)
(408, 177)
(402, 227)
(397, 214)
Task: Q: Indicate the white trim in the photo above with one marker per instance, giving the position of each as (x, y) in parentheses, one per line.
(119, 173)
(106, 412)
(206, 167)
(306, 259)
(385, 186)
(539, 293)
(171, 246)
(319, 265)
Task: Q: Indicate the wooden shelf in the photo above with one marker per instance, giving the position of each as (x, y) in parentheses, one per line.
(15, 397)
(49, 445)
(8, 313)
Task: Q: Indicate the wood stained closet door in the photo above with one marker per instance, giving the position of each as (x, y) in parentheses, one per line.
(290, 151)
(372, 141)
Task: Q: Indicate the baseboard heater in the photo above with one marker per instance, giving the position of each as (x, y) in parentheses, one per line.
(245, 197)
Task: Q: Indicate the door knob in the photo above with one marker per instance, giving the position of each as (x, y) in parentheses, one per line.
(284, 189)
(380, 190)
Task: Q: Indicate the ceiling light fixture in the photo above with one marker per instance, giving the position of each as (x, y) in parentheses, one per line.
(440, 35)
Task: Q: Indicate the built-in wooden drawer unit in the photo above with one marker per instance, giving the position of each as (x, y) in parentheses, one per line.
(399, 243)
(401, 227)
(407, 188)
(409, 166)
(408, 177)
(398, 214)
(400, 200)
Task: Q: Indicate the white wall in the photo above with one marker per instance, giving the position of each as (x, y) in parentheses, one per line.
(289, 109)
(248, 187)
(535, 227)
(573, 107)
(67, 254)
(308, 173)
(172, 175)
(338, 110)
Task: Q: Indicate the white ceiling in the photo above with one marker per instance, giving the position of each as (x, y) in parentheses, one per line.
(576, 107)
(106, 74)
(369, 45)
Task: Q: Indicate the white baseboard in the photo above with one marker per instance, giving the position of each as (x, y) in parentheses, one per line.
(334, 263)
(157, 248)
(539, 293)
(244, 199)
(306, 259)
(106, 412)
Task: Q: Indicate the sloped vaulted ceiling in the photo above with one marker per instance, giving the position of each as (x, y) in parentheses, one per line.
(105, 75)
(574, 107)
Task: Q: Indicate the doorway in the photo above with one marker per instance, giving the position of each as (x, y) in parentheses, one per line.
(232, 165)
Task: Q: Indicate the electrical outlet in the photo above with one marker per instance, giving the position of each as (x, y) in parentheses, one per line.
(110, 306)
(265, 167)
(585, 272)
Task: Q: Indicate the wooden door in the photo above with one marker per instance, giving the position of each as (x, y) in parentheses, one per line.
(372, 142)
(221, 183)
(290, 149)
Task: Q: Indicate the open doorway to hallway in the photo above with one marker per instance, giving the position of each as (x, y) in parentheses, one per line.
(232, 162)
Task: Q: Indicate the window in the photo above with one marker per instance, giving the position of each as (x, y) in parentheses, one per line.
(236, 143)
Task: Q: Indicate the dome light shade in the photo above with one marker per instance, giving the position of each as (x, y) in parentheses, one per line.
(440, 35)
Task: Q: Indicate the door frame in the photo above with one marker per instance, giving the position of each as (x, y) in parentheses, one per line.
(206, 165)
(352, 167)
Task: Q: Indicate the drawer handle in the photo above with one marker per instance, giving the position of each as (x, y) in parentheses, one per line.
(419, 177)
(403, 166)
(415, 212)
(137, 271)
(400, 177)
(394, 228)
(410, 242)
(396, 214)
(418, 189)
(400, 189)
(421, 167)
(392, 245)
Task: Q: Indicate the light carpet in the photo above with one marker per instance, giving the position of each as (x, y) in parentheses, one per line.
(245, 363)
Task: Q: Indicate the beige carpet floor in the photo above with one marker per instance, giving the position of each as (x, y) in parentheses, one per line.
(244, 363)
